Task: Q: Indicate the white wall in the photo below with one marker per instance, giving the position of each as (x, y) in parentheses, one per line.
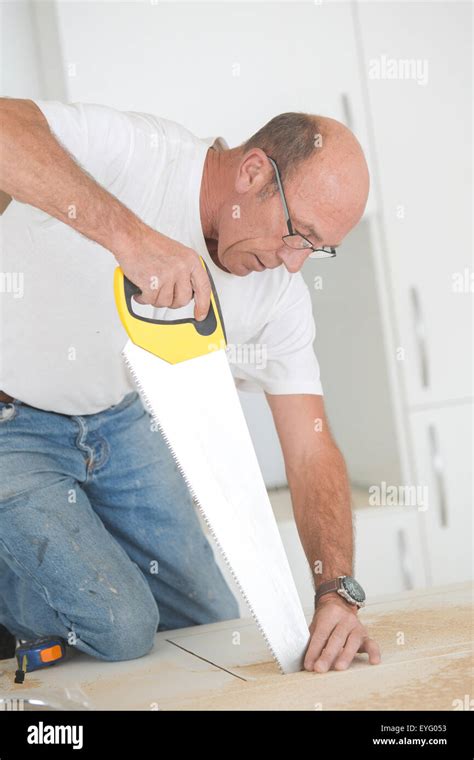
(19, 52)
(215, 67)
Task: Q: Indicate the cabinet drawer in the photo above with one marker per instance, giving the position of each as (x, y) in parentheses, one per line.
(443, 459)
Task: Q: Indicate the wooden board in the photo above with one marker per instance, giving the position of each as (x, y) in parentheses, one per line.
(140, 684)
(426, 641)
(425, 636)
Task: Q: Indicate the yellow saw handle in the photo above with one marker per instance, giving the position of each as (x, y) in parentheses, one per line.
(173, 340)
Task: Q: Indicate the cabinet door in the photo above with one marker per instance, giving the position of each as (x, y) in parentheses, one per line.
(221, 68)
(218, 68)
(388, 556)
(416, 61)
(443, 456)
(264, 438)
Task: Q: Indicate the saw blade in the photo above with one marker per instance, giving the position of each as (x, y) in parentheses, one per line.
(196, 407)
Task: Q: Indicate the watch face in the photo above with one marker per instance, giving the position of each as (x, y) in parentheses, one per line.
(353, 588)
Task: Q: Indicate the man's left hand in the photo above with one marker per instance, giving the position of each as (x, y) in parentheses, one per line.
(337, 635)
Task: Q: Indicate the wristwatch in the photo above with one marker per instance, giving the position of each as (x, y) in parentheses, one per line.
(346, 586)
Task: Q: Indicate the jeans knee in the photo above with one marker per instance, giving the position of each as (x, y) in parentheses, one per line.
(128, 633)
(132, 635)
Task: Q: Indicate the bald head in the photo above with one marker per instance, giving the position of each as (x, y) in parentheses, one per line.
(326, 183)
(334, 179)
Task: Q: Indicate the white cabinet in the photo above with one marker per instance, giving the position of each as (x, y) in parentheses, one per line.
(355, 348)
(20, 72)
(444, 462)
(416, 63)
(221, 68)
(389, 556)
(264, 437)
(394, 313)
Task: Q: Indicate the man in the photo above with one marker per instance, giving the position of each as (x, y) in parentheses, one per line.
(99, 542)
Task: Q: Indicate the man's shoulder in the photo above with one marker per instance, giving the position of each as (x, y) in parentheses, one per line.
(169, 129)
(102, 116)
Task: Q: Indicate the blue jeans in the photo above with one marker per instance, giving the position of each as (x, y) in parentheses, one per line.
(100, 542)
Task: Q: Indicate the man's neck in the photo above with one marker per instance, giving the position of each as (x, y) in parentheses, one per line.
(211, 245)
(211, 184)
(213, 190)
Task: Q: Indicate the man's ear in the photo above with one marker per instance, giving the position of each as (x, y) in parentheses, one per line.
(5, 201)
(252, 172)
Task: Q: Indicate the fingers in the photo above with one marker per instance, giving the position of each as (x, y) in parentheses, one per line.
(349, 651)
(168, 274)
(202, 291)
(335, 641)
(341, 648)
(172, 291)
(371, 647)
(333, 648)
(170, 295)
(182, 295)
(317, 643)
(164, 296)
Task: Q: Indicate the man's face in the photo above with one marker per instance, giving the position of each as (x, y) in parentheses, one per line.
(324, 205)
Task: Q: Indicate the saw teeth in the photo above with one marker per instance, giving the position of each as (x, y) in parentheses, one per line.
(152, 413)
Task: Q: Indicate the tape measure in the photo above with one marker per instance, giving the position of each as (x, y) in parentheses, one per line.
(38, 653)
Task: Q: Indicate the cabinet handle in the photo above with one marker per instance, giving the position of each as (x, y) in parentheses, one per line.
(438, 471)
(405, 564)
(347, 110)
(420, 337)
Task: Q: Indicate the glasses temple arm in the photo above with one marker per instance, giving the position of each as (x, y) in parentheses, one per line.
(282, 193)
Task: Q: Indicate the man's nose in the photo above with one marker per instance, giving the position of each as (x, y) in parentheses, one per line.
(293, 259)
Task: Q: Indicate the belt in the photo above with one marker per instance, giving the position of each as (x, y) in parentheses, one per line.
(6, 398)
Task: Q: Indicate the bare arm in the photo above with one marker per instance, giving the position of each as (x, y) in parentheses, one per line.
(321, 502)
(318, 483)
(36, 169)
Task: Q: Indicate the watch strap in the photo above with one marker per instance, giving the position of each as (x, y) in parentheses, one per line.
(326, 588)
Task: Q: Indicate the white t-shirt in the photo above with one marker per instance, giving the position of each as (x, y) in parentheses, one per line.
(61, 337)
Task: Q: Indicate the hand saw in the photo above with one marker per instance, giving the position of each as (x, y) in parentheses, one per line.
(181, 370)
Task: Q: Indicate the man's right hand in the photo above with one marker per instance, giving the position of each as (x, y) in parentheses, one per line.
(168, 273)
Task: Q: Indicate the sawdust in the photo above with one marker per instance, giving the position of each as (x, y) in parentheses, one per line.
(257, 670)
(429, 684)
(7, 682)
(145, 689)
(426, 665)
(438, 625)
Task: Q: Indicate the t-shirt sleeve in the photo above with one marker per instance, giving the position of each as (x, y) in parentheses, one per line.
(281, 359)
(68, 124)
(102, 139)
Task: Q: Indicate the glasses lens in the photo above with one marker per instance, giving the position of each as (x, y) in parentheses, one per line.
(296, 241)
(323, 253)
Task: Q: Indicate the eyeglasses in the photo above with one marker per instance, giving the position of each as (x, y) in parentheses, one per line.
(295, 239)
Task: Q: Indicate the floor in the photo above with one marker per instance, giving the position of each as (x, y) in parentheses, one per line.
(425, 638)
